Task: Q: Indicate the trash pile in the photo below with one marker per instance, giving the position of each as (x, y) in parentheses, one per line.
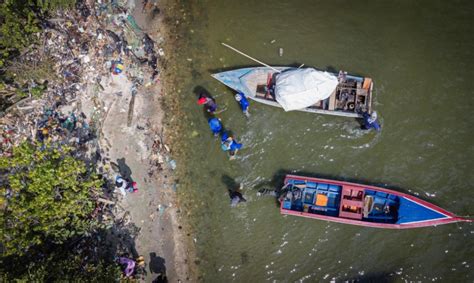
(159, 155)
(86, 46)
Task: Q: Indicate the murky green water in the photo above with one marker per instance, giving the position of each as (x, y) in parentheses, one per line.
(420, 55)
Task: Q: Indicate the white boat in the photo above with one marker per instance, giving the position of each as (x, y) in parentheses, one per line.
(303, 89)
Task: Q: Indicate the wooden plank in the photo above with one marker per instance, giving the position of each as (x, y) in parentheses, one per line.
(332, 101)
(130, 111)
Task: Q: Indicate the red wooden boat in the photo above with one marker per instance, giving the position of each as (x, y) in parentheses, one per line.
(358, 204)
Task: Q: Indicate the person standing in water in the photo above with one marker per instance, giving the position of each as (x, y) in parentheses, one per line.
(370, 121)
(244, 103)
(215, 125)
(236, 198)
(209, 103)
(229, 144)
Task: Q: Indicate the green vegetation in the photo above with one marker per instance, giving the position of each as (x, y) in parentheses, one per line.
(19, 21)
(46, 202)
(47, 197)
(17, 26)
(19, 31)
(64, 264)
(48, 228)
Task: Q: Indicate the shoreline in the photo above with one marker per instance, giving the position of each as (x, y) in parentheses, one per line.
(155, 210)
(175, 24)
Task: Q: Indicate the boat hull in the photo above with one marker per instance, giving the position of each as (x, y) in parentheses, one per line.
(440, 216)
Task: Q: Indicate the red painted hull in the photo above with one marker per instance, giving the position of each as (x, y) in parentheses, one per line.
(450, 217)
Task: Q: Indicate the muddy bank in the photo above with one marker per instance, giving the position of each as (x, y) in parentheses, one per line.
(141, 138)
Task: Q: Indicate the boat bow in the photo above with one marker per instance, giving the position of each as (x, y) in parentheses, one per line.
(232, 79)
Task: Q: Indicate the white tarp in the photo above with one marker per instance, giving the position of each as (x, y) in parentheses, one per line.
(301, 88)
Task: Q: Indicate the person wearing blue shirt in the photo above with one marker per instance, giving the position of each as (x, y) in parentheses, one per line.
(215, 125)
(244, 103)
(230, 144)
(370, 121)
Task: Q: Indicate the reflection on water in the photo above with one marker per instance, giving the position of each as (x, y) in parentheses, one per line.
(419, 54)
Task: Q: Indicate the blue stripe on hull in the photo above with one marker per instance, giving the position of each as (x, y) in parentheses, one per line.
(410, 211)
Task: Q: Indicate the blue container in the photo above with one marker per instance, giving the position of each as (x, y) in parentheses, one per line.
(287, 204)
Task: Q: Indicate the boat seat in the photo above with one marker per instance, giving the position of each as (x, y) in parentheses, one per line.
(381, 201)
(311, 185)
(369, 192)
(323, 187)
(381, 194)
(309, 197)
(332, 200)
(378, 206)
(334, 188)
(393, 197)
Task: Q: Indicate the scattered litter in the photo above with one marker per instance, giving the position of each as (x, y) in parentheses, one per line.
(161, 209)
(80, 50)
(161, 52)
(172, 164)
(117, 67)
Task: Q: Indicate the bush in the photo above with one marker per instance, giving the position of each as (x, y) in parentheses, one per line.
(47, 197)
(19, 20)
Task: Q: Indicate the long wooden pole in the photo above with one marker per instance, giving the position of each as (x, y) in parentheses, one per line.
(242, 53)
